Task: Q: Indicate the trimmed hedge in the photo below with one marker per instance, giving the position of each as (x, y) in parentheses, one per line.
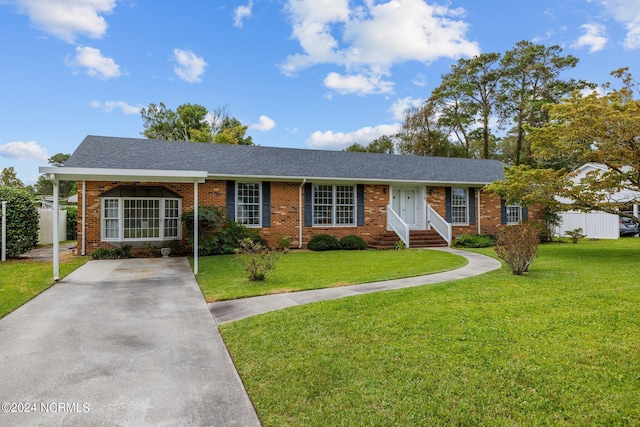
(324, 242)
(474, 241)
(23, 221)
(353, 243)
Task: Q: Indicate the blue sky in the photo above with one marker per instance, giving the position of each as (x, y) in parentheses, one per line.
(301, 73)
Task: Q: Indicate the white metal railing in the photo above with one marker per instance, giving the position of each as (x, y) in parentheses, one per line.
(439, 224)
(395, 223)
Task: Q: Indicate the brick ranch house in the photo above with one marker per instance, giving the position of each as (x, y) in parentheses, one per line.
(134, 191)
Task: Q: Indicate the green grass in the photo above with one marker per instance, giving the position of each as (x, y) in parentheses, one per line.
(558, 346)
(222, 277)
(22, 280)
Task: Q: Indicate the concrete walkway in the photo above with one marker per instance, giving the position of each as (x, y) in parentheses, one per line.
(126, 342)
(228, 311)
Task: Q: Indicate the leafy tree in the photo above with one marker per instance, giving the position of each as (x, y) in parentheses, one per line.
(232, 131)
(531, 79)
(603, 129)
(66, 188)
(469, 94)
(383, 145)
(422, 134)
(194, 123)
(22, 220)
(9, 178)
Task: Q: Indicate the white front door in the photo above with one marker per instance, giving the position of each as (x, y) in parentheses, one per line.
(404, 204)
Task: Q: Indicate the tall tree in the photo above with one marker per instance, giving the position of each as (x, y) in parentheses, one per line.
(530, 80)
(193, 123)
(473, 88)
(9, 178)
(382, 145)
(603, 129)
(422, 134)
(66, 188)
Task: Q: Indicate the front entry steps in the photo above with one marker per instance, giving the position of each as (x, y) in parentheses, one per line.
(417, 239)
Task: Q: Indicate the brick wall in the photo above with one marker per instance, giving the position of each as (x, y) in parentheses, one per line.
(285, 210)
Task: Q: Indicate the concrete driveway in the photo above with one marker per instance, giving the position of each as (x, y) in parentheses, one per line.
(123, 342)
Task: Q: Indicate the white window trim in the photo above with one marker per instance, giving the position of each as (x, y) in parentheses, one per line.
(515, 205)
(120, 237)
(466, 194)
(237, 204)
(334, 190)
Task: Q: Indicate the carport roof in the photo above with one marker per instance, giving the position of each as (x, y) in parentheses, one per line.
(126, 155)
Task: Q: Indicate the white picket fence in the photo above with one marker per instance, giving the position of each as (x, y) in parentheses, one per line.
(595, 225)
(45, 234)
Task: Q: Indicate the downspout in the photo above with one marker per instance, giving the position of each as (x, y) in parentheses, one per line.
(84, 216)
(478, 213)
(300, 207)
(195, 228)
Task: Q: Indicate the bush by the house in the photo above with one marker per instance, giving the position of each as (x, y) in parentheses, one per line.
(324, 242)
(473, 241)
(22, 220)
(353, 243)
(283, 242)
(517, 245)
(72, 223)
(112, 253)
(257, 260)
(216, 235)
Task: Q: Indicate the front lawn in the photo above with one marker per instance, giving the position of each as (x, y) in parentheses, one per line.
(22, 280)
(558, 346)
(222, 277)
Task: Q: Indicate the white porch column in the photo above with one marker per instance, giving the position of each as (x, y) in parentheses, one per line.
(56, 220)
(635, 211)
(195, 227)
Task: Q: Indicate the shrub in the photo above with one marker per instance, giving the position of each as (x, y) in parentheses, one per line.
(353, 243)
(228, 239)
(575, 235)
(323, 242)
(517, 245)
(399, 245)
(112, 253)
(283, 242)
(474, 241)
(72, 223)
(23, 221)
(257, 260)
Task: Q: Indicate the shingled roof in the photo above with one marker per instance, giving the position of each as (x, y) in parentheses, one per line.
(227, 161)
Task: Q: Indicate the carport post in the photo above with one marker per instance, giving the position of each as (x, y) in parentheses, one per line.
(195, 227)
(56, 220)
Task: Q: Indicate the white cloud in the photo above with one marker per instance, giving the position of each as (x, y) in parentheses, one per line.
(594, 38)
(368, 40)
(190, 67)
(340, 140)
(24, 151)
(241, 13)
(109, 106)
(95, 64)
(359, 84)
(67, 19)
(264, 124)
(628, 13)
(401, 105)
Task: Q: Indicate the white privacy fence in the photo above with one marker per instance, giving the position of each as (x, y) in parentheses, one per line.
(45, 234)
(595, 225)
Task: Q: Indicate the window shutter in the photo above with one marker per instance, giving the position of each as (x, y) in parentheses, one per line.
(231, 200)
(525, 214)
(266, 204)
(308, 205)
(360, 205)
(472, 206)
(447, 204)
(503, 211)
